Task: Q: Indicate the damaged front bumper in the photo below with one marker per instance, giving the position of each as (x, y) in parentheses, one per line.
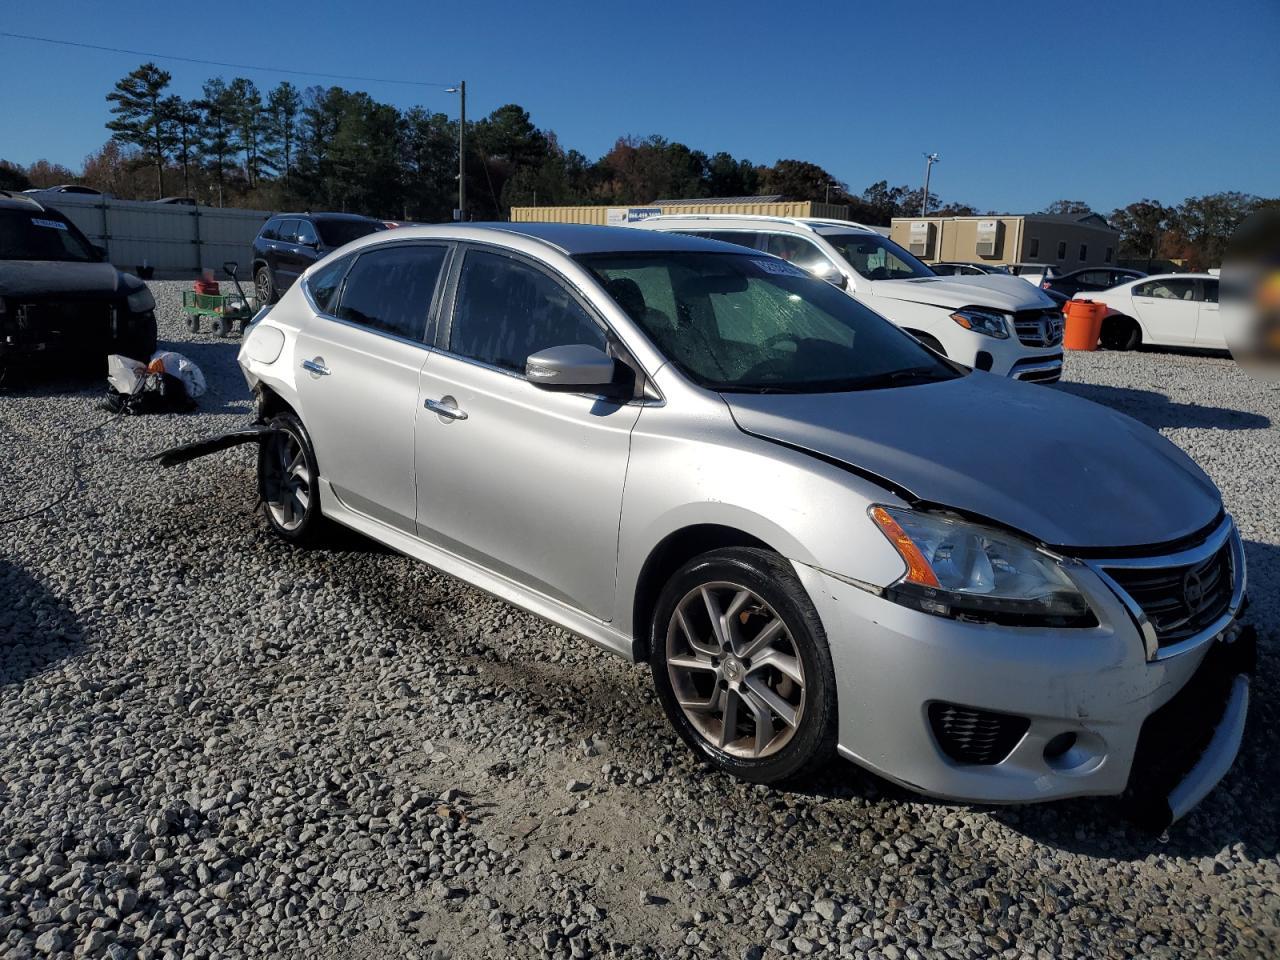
(202, 448)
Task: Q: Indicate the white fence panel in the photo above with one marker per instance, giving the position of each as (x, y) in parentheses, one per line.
(174, 239)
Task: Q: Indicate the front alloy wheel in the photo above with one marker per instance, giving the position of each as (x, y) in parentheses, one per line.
(735, 671)
(741, 665)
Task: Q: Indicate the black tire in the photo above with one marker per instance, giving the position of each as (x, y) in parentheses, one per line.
(1121, 333)
(310, 523)
(265, 285)
(811, 741)
(193, 323)
(220, 326)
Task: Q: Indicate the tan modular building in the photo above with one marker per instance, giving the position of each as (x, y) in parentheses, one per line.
(1067, 241)
(774, 206)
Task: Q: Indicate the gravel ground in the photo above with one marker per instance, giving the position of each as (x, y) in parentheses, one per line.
(212, 745)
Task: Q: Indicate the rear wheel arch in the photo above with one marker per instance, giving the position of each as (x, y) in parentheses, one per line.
(666, 558)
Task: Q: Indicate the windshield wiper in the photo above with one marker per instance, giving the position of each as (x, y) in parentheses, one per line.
(895, 377)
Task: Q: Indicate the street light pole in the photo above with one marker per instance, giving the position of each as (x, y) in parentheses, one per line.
(929, 160)
(461, 91)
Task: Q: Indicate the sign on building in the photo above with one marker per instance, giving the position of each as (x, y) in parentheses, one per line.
(621, 216)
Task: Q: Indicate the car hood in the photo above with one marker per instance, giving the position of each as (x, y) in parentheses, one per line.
(1065, 471)
(42, 278)
(1000, 292)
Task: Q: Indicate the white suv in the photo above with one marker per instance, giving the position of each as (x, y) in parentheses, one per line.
(994, 322)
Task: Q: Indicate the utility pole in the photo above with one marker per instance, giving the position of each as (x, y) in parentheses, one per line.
(461, 91)
(929, 160)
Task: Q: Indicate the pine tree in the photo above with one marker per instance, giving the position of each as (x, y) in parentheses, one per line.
(182, 121)
(138, 106)
(217, 119)
(284, 104)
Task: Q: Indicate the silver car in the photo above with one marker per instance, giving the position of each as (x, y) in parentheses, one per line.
(822, 537)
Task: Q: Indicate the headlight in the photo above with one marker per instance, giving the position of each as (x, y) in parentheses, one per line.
(141, 300)
(963, 570)
(987, 322)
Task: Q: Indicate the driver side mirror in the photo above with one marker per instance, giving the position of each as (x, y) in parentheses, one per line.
(575, 368)
(831, 273)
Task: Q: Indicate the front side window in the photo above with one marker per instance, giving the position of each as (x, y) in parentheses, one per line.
(390, 289)
(307, 233)
(802, 253)
(43, 235)
(737, 322)
(323, 283)
(876, 257)
(1170, 288)
(506, 310)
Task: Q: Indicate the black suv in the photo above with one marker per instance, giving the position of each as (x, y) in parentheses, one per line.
(58, 293)
(290, 242)
(1089, 279)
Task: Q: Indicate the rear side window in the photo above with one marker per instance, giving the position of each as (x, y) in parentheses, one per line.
(323, 284)
(507, 310)
(269, 230)
(390, 290)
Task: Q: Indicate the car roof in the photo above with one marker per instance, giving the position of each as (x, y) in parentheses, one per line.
(819, 225)
(357, 217)
(581, 238)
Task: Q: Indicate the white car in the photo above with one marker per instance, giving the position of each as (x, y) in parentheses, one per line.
(993, 323)
(1034, 273)
(1171, 309)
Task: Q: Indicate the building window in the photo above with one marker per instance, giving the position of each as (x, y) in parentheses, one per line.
(1084, 252)
(1034, 249)
(1109, 253)
(1062, 249)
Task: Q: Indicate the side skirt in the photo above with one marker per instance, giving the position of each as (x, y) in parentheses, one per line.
(568, 618)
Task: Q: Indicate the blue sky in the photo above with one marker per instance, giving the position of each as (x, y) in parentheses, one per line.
(1101, 102)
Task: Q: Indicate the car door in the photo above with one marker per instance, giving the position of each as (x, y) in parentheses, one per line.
(523, 481)
(1209, 332)
(361, 356)
(284, 255)
(306, 249)
(1167, 309)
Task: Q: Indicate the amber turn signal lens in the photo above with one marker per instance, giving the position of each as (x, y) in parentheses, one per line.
(918, 569)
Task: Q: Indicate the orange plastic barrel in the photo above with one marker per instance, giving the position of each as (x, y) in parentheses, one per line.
(1084, 324)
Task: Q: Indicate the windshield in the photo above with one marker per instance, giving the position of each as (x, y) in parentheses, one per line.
(336, 233)
(42, 235)
(876, 257)
(736, 322)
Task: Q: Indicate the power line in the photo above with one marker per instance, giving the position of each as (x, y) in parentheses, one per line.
(219, 63)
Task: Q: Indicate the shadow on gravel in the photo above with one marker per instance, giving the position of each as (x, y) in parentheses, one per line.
(37, 628)
(1157, 411)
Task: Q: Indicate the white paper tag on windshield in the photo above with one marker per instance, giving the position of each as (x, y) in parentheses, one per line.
(779, 268)
(55, 224)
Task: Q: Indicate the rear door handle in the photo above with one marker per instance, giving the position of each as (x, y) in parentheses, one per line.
(316, 367)
(446, 407)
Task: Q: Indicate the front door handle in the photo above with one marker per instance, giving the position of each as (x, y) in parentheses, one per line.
(446, 406)
(316, 367)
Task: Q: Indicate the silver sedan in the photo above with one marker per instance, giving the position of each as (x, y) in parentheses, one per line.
(823, 538)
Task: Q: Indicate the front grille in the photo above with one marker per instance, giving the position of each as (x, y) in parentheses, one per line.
(82, 323)
(975, 736)
(1039, 328)
(1181, 601)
